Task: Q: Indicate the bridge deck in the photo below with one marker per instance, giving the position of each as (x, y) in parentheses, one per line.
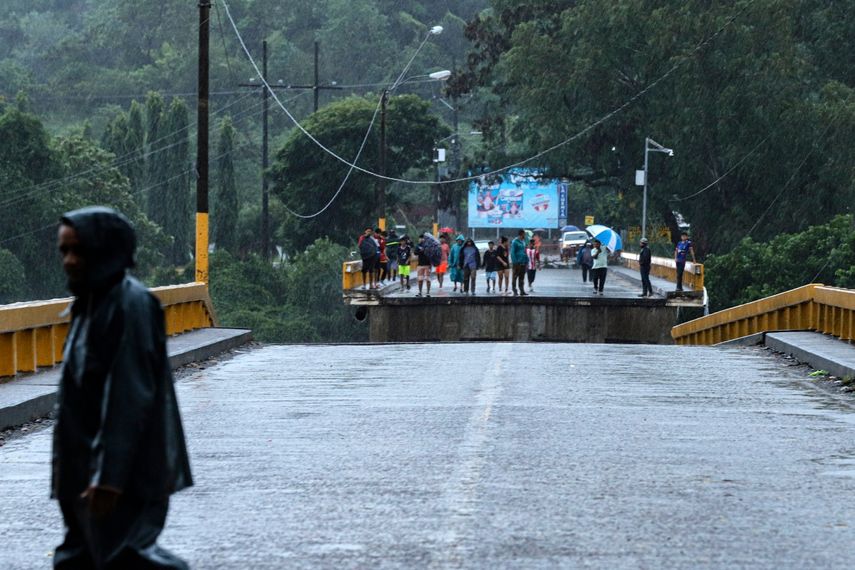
(560, 283)
(622, 285)
(491, 455)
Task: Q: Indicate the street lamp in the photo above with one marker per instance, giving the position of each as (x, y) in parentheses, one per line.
(381, 182)
(650, 145)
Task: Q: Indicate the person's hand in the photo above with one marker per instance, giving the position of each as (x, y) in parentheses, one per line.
(101, 501)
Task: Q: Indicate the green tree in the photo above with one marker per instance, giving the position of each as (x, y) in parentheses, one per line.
(225, 203)
(155, 198)
(177, 214)
(752, 270)
(135, 147)
(12, 278)
(306, 179)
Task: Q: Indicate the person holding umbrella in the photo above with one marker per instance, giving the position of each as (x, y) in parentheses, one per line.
(601, 263)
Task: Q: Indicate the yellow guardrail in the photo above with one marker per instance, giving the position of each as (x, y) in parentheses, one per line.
(666, 268)
(32, 334)
(813, 307)
(351, 273)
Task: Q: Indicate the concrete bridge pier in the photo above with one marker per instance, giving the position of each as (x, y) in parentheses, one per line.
(529, 319)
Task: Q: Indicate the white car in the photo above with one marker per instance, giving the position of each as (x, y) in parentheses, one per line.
(570, 244)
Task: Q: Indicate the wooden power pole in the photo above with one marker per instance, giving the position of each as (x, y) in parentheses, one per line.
(202, 144)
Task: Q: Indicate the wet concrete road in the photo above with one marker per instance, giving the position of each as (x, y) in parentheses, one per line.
(492, 456)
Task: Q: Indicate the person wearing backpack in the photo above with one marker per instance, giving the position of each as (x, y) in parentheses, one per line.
(470, 261)
(368, 252)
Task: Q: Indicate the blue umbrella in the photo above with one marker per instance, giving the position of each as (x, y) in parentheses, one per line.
(607, 236)
(569, 229)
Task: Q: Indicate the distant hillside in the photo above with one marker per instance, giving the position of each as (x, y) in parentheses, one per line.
(76, 58)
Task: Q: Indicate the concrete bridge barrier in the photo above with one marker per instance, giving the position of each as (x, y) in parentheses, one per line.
(814, 307)
(666, 268)
(32, 334)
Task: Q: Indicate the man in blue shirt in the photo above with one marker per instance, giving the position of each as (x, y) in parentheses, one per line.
(519, 259)
(684, 247)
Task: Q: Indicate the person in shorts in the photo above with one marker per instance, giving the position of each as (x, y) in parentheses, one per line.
(405, 252)
(442, 268)
(491, 265)
(424, 266)
(368, 252)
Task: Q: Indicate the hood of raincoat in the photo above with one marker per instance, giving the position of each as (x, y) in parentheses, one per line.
(461, 238)
(108, 243)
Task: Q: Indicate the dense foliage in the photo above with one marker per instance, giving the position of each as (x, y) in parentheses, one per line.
(295, 302)
(754, 95)
(306, 179)
(820, 254)
(718, 82)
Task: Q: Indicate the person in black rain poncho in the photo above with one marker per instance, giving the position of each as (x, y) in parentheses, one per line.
(119, 449)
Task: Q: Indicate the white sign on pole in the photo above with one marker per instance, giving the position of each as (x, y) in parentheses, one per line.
(639, 177)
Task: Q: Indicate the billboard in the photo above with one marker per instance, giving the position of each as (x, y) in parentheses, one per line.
(517, 198)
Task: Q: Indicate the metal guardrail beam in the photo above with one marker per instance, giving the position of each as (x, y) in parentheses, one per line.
(32, 334)
(814, 307)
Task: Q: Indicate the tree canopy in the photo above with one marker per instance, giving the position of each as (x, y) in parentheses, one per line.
(306, 178)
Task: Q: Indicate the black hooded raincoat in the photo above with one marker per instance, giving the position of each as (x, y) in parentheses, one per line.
(118, 423)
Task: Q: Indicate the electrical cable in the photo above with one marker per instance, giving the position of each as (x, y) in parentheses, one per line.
(346, 178)
(517, 164)
(36, 189)
(790, 180)
(146, 189)
(720, 178)
(132, 193)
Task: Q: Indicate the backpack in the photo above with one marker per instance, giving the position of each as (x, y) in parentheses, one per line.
(367, 247)
(433, 250)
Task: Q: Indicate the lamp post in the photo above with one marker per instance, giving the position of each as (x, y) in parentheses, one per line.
(650, 145)
(380, 197)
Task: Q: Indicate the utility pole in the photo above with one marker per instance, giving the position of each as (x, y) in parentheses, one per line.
(265, 143)
(265, 162)
(202, 145)
(317, 86)
(380, 198)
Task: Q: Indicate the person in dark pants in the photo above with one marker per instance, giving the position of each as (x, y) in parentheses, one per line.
(585, 261)
(601, 264)
(519, 259)
(684, 247)
(118, 445)
(644, 261)
(470, 261)
(368, 253)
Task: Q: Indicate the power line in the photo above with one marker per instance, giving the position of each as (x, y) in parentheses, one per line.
(346, 178)
(792, 177)
(36, 189)
(540, 154)
(133, 193)
(720, 178)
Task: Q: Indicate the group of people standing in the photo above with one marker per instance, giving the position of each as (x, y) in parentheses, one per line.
(508, 264)
(385, 256)
(505, 264)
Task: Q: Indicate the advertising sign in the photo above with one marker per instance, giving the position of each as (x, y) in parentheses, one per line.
(518, 198)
